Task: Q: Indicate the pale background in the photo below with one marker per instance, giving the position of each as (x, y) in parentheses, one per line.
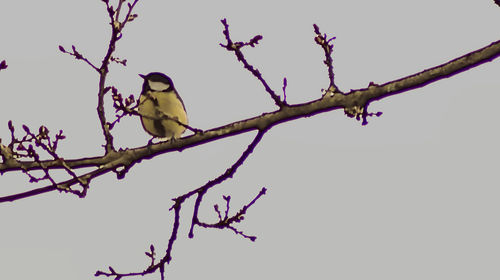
(413, 195)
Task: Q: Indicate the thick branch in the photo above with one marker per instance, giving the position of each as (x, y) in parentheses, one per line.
(423, 78)
(355, 98)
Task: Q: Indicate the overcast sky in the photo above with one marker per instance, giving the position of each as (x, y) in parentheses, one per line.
(412, 195)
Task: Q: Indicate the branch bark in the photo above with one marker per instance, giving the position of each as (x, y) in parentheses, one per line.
(359, 98)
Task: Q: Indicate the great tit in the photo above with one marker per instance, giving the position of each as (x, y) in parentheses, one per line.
(160, 106)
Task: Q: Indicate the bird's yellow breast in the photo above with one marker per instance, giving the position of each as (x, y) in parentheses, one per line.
(154, 106)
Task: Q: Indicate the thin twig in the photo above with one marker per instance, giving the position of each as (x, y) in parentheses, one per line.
(236, 48)
(325, 43)
(3, 65)
(78, 56)
(227, 221)
(161, 263)
(116, 34)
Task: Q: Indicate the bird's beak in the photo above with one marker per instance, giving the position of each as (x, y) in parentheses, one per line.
(142, 76)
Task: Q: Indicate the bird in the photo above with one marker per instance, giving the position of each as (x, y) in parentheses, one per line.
(161, 108)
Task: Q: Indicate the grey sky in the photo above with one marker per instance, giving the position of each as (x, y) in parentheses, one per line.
(413, 195)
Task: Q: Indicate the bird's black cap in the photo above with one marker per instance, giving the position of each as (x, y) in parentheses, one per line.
(157, 77)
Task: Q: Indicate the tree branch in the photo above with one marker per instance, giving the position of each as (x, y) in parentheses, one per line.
(324, 42)
(221, 178)
(355, 104)
(116, 34)
(78, 56)
(227, 223)
(3, 65)
(358, 100)
(236, 48)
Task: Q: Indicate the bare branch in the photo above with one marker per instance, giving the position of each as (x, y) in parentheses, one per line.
(355, 103)
(23, 148)
(376, 92)
(227, 221)
(236, 48)
(50, 148)
(285, 83)
(221, 178)
(78, 56)
(360, 98)
(325, 43)
(178, 201)
(64, 186)
(3, 65)
(119, 61)
(116, 34)
(153, 267)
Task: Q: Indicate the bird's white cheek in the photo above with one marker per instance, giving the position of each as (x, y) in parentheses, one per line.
(158, 86)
